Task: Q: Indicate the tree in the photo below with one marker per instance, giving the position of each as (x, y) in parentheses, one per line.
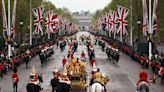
(136, 15)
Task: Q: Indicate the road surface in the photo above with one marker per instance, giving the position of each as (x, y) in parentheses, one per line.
(123, 77)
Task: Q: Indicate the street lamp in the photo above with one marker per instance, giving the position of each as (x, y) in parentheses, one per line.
(21, 26)
(138, 23)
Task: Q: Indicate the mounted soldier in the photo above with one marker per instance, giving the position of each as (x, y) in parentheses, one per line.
(64, 83)
(98, 79)
(33, 86)
(55, 80)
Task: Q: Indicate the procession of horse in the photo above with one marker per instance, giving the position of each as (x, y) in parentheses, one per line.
(74, 74)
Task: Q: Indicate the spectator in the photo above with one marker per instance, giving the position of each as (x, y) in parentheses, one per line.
(1, 68)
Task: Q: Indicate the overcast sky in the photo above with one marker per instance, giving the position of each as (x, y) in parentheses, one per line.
(78, 5)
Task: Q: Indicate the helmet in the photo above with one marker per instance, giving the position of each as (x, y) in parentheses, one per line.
(65, 73)
(104, 75)
(55, 71)
(94, 69)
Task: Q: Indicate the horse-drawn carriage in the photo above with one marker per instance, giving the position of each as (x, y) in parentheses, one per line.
(77, 70)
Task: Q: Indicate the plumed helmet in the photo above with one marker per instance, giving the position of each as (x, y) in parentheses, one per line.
(55, 71)
(104, 75)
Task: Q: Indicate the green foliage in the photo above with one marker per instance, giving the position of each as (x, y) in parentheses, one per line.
(136, 15)
(23, 11)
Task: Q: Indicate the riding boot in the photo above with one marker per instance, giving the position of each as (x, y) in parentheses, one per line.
(105, 89)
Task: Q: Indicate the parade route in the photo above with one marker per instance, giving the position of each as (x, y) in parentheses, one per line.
(123, 77)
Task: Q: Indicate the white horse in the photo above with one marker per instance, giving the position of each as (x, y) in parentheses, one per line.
(97, 87)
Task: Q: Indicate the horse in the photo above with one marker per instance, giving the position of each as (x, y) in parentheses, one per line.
(143, 87)
(54, 84)
(31, 87)
(100, 86)
(97, 87)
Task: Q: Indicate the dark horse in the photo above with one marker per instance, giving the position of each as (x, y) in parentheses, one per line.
(54, 84)
(31, 87)
(59, 87)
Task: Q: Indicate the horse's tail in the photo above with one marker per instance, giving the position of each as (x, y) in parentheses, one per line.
(96, 87)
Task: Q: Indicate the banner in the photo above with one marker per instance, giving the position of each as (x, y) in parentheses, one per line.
(49, 22)
(13, 28)
(155, 17)
(38, 18)
(5, 28)
(114, 23)
(121, 19)
(145, 24)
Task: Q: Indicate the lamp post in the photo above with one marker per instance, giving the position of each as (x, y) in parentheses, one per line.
(30, 23)
(21, 26)
(138, 23)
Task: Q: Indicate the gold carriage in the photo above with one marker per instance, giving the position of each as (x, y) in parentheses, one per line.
(77, 69)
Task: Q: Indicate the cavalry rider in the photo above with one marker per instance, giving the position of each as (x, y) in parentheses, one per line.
(64, 83)
(98, 77)
(55, 80)
(77, 66)
(33, 84)
(143, 78)
(56, 73)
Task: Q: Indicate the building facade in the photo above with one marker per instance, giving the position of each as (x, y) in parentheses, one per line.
(84, 19)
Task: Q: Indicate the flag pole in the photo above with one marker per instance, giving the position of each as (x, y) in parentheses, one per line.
(48, 30)
(120, 35)
(9, 31)
(131, 33)
(30, 23)
(150, 32)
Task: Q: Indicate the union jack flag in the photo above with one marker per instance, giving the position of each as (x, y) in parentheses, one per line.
(145, 18)
(108, 16)
(13, 29)
(56, 22)
(49, 22)
(121, 19)
(38, 18)
(5, 28)
(63, 24)
(155, 17)
(100, 23)
(104, 23)
(114, 23)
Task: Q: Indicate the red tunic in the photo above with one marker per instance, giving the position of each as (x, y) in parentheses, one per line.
(83, 55)
(1, 67)
(71, 55)
(93, 61)
(64, 61)
(15, 77)
(14, 60)
(143, 77)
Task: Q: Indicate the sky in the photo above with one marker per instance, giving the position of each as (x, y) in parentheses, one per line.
(78, 5)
